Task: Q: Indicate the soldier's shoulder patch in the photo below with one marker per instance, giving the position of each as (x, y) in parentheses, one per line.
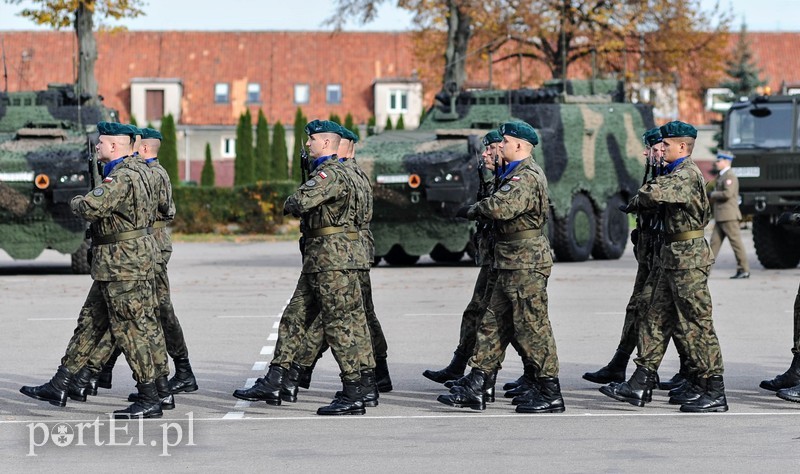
(505, 188)
(98, 192)
(311, 183)
(108, 179)
(322, 175)
(728, 182)
(515, 178)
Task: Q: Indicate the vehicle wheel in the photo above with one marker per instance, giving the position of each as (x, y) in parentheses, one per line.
(611, 233)
(442, 255)
(574, 235)
(80, 260)
(397, 256)
(376, 261)
(775, 246)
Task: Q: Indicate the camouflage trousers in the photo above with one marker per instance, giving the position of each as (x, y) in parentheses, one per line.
(370, 334)
(302, 310)
(730, 229)
(474, 310)
(175, 346)
(681, 304)
(124, 311)
(517, 309)
(796, 348)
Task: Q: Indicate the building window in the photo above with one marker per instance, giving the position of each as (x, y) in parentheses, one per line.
(221, 93)
(228, 149)
(333, 94)
(253, 93)
(398, 101)
(154, 105)
(301, 93)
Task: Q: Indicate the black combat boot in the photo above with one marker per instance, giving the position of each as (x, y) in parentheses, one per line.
(349, 403)
(369, 387)
(712, 400)
(528, 375)
(791, 394)
(80, 385)
(613, 372)
(304, 381)
(488, 388)
(382, 379)
(289, 388)
(164, 394)
(454, 371)
(54, 391)
(636, 391)
(147, 406)
(788, 379)
(678, 379)
(469, 394)
(689, 391)
(183, 380)
(266, 389)
(104, 377)
(548, 399)
(523, 384)
(528, 396)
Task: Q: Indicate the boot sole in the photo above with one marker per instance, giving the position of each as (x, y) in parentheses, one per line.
(460, 405)
(289, 399)
(720, 409)
(254, 399)
(602, 381)
(124, 416)
(788, 398)
(52, 402)
(548, 410)
(351, 412)
(371, 404)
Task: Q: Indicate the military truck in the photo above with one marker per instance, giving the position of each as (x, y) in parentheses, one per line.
(590, 148)
(762, 133)
(45, 150)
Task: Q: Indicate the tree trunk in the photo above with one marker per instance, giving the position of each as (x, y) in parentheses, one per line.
(87, 51)
(455, 56)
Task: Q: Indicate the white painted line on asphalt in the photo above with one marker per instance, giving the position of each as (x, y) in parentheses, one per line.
(249, 382)
(273, 336)
(234, 415)
(260, 365)
(275, 324)
(267, 350)
(52, 319)
(242, 404)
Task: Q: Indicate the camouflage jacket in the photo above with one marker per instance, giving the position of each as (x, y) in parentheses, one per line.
(685, 207)
(363, 215)
(327, 200)
(519, 204)
(483, 239)
(166, 207)
(124, 201)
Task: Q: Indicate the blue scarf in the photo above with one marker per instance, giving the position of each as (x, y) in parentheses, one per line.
(509, 168)
(671, 166)
(320, 160)
(109, 167)
(150, 160)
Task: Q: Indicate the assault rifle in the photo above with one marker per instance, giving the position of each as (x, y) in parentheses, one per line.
(304, 175)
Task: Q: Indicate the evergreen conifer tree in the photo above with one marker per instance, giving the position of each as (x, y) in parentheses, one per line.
(388, 125)
(208, 176)
(401, 124)
(168, 154)
(742, 68)
(262, 151)
(280, 155)
(243, 163)
(300, 121)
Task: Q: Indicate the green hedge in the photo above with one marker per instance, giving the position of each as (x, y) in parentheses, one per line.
(254, 208)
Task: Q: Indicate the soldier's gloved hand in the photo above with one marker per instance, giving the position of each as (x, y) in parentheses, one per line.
(635, 236)
(286, 211)
(463, 212)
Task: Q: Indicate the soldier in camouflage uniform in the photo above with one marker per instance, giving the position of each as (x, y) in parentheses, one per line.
(681, 298)
(121, 210)
(644, 239)
(518, 305)
(329, 282)
(787, 384)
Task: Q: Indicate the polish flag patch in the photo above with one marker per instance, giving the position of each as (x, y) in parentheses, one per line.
(108, 180)
(322, 175)
(515, 178)
(728, 182)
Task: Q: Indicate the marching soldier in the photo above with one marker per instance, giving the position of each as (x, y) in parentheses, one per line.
(121, 210)
(518, 305)
(725, 203)
(680, 298)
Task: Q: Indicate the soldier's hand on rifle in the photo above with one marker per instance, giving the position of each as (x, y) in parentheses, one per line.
(635, 236)
(463, 212)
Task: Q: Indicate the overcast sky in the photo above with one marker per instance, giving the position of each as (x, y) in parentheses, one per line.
(760, 15)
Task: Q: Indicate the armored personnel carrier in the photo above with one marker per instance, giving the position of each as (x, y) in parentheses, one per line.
(590, 148)
(45, 151)
(762, 133)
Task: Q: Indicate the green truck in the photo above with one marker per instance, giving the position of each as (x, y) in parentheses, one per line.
(46, 145)
(590, 148)
(762, 133)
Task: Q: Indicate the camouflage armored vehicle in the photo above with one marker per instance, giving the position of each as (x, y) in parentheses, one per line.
(45, 148)
(590, 148)
(762, 133)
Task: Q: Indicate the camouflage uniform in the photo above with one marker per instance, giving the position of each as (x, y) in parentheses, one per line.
(327, 203)
(680, 297)
(518, 305)
(122, 297)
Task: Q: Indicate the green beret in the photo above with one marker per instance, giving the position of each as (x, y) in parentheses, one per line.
(114, 128)
(652, 137)
(678, 129)
(323, 126)
(151, 133)
(520, 130)
(492, 137)
(349, 135)
(724, 156)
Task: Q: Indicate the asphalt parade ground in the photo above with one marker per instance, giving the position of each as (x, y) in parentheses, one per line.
(229, 296)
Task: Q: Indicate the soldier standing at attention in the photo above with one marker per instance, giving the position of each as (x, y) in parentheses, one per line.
(787, 384)
(518, 305)
(725, 203)
(680, 298)
(328, 285)
(122, 295)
